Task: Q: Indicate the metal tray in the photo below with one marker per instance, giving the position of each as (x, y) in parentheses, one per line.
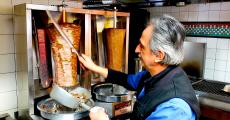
(50, 109)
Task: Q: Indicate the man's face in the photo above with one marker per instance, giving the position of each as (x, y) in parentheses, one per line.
(143, 48)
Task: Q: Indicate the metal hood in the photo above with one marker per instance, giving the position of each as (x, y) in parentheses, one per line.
(132, 3)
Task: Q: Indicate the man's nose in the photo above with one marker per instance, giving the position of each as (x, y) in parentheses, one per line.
(137, 50)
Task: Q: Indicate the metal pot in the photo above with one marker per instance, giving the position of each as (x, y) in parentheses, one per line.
(114, 98)
(109, 92)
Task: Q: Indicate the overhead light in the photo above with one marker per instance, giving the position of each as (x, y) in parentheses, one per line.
(180, 4)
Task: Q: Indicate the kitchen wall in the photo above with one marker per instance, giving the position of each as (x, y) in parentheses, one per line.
(217, 62)
(8, 83)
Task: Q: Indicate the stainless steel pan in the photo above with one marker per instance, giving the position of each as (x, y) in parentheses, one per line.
(52, 110)
(67, 99)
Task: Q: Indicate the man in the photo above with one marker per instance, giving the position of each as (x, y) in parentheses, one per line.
(164, 91)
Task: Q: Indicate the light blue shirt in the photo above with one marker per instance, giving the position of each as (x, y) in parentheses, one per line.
(173, 109)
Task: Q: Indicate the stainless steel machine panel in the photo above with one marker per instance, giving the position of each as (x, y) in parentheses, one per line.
(194, 59)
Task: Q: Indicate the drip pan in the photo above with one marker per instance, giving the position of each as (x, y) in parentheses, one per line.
(50, 109)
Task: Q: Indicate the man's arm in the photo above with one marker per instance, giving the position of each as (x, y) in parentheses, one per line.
(116, 77)
(130, 81)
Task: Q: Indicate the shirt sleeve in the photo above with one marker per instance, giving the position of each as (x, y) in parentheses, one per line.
(174, 109)
(117, 77)
(134, 80)
(130, 81)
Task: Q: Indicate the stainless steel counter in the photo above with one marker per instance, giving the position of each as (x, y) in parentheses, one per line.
(218, 102)
(209, 93)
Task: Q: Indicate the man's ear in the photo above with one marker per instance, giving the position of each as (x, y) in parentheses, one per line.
(159, 56)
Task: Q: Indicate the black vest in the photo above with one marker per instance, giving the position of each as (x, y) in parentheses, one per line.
(172, 83)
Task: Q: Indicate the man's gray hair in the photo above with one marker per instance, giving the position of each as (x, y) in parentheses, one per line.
(168, 36)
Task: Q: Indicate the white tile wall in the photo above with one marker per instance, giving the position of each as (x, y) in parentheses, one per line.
(192, 16)
(229, 55)
(193, 7)
(184, 16)
(6, 23)
(201, 40)
(7, 82)
(168, 9)
(217, 63)
(55, 2)
(220, 65)
(16, 2)
(208, 74)
(175, 9)
(191, 39)
(224, 15)
(211, 42)
(8, 101)
(221, 54)
(223, 44)
(176, 15)
(229, 45)
(219, 75)
(160, 9)
(203, 16)
(204, 7)
(8, 97)
(42, 2)
(6, 7)
(214, 16)
(211, 53)
(7, 63)
(228, 67)
(214, 6)
(10, 112)
(7, 44)
(184, 9)
(225, 6)
(70, 3)
(227, 77)
(209, 64)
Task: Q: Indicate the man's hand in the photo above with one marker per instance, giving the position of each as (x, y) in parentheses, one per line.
(87, 63)
(98, 113)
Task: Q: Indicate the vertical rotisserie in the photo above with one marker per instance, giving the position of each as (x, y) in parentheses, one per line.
(65, 60)
(115, 47)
